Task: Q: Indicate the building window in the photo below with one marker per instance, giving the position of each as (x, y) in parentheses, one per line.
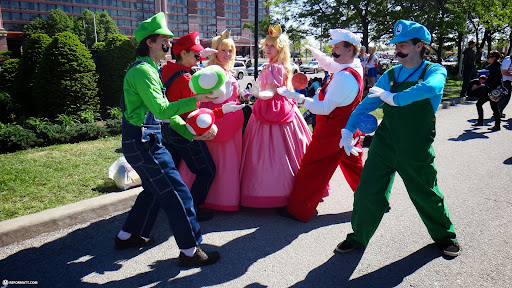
(178, 10)
(206, 12)
(232, 8)
(201, 4)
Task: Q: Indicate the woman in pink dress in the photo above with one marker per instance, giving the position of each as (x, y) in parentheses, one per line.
(226, 147)
(276, 135)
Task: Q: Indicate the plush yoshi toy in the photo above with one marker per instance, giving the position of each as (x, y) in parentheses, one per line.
(209, 79)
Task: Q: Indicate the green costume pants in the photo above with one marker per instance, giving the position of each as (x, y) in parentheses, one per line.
(403, 144)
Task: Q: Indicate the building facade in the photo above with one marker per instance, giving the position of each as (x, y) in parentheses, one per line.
(209, 17)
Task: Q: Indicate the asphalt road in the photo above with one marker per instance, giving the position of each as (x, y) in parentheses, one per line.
(261, 249)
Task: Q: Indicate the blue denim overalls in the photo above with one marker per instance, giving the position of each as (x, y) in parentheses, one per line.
(163, 187)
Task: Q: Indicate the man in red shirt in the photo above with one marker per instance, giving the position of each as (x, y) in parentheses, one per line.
(175, 136)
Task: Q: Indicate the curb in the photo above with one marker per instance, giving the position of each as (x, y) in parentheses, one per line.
(29, 226)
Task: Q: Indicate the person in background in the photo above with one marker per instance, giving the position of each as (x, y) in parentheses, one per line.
(336, 101)
(506, 71)
(226, 147)
(409, 94)
(276, 136)
(493, 81)
(371, 66)
(468, 64)
(477, 88)
(162, 184)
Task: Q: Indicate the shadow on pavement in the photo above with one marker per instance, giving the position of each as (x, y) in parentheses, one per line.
(89, 251)
(341, 266)
(508, 161)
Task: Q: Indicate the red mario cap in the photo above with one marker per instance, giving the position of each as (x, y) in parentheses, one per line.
(189, 41)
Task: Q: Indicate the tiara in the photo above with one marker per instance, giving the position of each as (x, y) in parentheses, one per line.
(274, 31)
(225, 34)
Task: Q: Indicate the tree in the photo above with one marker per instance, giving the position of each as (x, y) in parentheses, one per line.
(29, 64)
(58, 22)
(108, 24)
(65, 82)
(115, 57)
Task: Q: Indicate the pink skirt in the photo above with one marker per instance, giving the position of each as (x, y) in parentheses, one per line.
(271, 157)
(224, 194)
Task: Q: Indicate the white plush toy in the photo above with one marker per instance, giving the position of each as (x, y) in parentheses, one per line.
(209, 79)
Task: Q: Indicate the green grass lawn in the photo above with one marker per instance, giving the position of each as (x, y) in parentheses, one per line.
(37, 179)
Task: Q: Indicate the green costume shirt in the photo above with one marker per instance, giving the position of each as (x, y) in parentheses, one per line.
(143, 91)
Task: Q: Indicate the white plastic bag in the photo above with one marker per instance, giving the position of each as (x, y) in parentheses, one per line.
(123, 174)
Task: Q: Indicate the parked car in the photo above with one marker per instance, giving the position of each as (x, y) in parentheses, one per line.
(295, 68)
(239, 70)
(311, 67)
(452, 59)
(250, 70)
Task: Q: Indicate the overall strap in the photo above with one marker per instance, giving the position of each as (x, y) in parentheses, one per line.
(173, 77)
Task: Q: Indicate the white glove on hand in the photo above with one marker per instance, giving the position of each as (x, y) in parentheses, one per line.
(347, 141)
(283, 91)
(255, 91)
(384, 95)
(207, 52)
(231, 107)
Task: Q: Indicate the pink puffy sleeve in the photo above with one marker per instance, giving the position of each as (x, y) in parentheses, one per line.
(273, 74)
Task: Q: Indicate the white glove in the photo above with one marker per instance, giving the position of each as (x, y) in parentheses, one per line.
(384, 95)
(207, 52)
(347, 141)
(231, 107)
(291, 95)
(263, 95)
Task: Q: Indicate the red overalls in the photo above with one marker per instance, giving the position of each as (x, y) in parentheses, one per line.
(323, 155)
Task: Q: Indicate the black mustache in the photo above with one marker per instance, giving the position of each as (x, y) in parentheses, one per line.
(335, 55)
(165, 48)
(402, 55)
(197, 57)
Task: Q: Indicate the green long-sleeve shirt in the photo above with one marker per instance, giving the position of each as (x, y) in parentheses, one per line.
(143, 91)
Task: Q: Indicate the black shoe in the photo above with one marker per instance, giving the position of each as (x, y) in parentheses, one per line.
(495, 128)
(503, 115)
(345, 246)
(388, 209)
(200, 258)
(452, 250)
(133, 242)
(478, 124)
(203, 214)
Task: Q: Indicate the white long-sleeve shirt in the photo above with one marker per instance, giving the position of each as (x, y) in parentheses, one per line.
(341, 91)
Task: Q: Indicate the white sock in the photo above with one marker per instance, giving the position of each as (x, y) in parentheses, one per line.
(123, 235)
(189, 252)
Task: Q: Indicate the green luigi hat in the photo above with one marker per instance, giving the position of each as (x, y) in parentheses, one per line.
(207, 80)
(407, 30)
(154, 25)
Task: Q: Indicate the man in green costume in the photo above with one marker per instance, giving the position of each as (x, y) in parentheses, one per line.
(410, 94)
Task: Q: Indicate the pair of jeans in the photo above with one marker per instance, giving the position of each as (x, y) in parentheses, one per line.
(467, 74)
(494, 106)
(163, 188)
(504, 101)
(197, 157)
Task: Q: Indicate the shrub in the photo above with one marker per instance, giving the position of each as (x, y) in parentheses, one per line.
(15, 137)
(7, 108)
(65, 82)
(8, 74)
(29, 63)
(35, 124)
(114, 58)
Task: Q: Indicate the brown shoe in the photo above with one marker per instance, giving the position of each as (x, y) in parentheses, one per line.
(133, 242)
(200, 258)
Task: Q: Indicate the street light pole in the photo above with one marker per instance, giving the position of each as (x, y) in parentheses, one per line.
(256, 12)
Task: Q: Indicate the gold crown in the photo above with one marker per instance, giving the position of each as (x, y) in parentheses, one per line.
(225, 34)
(274, 31)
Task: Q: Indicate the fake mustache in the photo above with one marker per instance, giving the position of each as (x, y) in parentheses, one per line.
(165, 48)
(402, 55)
(335, 55)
